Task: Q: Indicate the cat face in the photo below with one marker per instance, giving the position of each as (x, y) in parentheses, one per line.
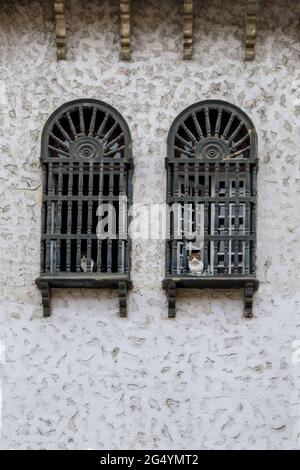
(195, 257)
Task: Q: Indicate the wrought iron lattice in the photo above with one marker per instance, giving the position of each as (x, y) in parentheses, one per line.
(211, 193)
(87, 168)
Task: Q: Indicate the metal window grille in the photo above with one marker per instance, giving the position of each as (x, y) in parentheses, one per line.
(87, 173)
(86, 154)
(211, 168)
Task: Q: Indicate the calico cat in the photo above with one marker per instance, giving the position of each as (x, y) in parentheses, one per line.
(84, 266)
(195, 263)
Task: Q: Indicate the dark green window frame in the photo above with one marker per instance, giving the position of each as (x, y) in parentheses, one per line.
(86, 158)
(212, 166)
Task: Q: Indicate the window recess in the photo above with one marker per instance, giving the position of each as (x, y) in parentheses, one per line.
(87, 170)
(211, 193)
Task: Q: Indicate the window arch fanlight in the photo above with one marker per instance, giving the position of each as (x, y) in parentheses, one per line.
(211, 193)
(87, 171)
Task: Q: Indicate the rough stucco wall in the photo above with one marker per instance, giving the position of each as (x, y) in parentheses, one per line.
(208, 379)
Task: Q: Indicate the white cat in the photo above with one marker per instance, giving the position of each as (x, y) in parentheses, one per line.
(195, 263)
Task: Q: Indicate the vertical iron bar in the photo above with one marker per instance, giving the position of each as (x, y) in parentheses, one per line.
(128, 191)
(169, 226)
(99, 239)
(168, 263)
(187, 216)
(121, 179)
(226, 221)
(186, 179)
(237, 207)
(111, 180)
(184, 258)
(247, 218)
(196, 196)
(206, 210)
(175, 221)
(175, 181)
(174, 256)
(69, 217)
(110, 219)
(43, 215)
(122, 221)
(109, 255)
(216, 221)
(58, 215)
(90, 216)
(196, 182)
(49, 216)
(169, 183)
(79, 217)
(253, 219)
(174, 241)
(120, 256)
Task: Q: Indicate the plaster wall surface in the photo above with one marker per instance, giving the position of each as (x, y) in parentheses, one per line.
(84, 378)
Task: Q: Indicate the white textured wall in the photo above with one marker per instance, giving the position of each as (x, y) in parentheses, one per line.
(210, 378)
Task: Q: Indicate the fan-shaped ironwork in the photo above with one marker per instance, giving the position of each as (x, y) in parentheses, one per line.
(212, 131)
(86, 130)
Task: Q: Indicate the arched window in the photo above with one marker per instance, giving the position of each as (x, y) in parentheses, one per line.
(87, 168)
(211, 194)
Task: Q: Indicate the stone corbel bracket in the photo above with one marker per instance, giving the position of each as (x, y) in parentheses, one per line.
(46, 294)
(46, 281)
(188, 22)
(60, 28)
(248, 296)
(172, 284)
(125, 28)
(251, 29)
(122, 299)
(46, 298)
(171, 295)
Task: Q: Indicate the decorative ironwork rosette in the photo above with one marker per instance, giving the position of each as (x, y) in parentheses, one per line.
(213, 130)
(212, 148)
(86, 147)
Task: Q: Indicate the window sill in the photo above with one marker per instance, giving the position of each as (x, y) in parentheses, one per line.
(91, 280)
(248, 283)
